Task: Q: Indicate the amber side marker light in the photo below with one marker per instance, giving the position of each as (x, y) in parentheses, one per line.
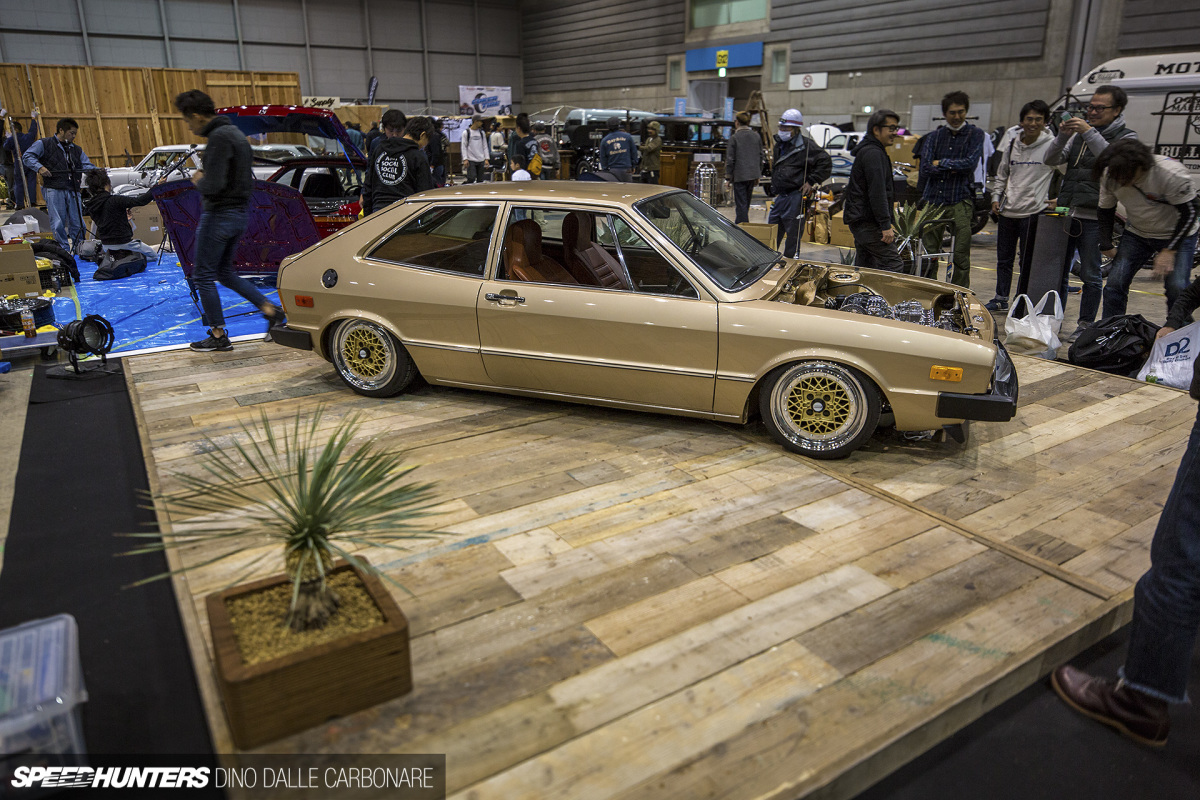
(936, 373)
(306, 301)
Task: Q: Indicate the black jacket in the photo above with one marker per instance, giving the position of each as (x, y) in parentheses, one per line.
(870, 192)
(228, 177)
(398, 168)
(110, 213)
(798, 162)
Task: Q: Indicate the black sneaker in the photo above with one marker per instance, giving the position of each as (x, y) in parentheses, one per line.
(276, 317)
(212, 343)
(997, 304)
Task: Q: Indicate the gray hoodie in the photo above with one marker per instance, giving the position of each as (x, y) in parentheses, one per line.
(1022, 178)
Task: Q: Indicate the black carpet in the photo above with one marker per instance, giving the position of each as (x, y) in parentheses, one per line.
(1035, 748)
(78, 484)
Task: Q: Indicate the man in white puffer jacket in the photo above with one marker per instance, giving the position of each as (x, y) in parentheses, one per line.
(1022, 190)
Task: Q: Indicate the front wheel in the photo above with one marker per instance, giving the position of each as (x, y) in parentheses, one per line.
(819, 409)
(370, 360)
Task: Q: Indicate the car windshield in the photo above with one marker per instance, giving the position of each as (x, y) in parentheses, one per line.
(728, 255)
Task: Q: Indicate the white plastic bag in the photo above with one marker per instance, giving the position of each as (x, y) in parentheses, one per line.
(1037, 331)
(1173, 357)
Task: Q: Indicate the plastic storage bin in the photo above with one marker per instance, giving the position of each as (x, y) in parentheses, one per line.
(41, 690)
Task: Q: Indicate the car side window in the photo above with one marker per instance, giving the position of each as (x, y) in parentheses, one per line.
(836, 143)
(449, 238)
(649, 271)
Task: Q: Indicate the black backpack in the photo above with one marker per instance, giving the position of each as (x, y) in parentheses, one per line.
(120, 264)
(1116, 344)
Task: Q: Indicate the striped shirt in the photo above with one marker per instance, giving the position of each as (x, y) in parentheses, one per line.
(957, 153)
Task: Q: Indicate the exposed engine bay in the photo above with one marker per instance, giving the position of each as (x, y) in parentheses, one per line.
(845, 290)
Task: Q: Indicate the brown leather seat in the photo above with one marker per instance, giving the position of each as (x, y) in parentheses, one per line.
(589, 262)
(523, 257)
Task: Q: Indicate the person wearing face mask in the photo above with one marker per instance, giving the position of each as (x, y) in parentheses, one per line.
(948, 160)
(1078, 145)
(1022, 190)
(799, 164)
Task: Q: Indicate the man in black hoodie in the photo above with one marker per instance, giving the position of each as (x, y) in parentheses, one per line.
(226, 183)
(110, 212)
(398, 166)
(870, 195)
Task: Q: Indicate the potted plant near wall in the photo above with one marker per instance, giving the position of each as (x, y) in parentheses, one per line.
(325, 638)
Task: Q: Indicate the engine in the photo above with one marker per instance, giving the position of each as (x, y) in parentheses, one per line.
(873, 305)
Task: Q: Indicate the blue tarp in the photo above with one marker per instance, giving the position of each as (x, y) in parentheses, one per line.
(154, 309)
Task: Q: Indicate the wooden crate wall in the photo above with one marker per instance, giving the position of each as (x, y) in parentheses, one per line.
(124, 112)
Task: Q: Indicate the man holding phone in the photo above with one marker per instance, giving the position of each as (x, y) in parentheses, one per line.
(1077, 146)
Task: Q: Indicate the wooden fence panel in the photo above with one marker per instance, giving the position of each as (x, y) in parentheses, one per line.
(124, 112)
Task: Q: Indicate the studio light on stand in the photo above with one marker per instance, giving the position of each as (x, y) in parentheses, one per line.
(92, 335)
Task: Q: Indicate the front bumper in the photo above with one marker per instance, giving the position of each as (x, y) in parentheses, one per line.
(290, 337)
(997, 405)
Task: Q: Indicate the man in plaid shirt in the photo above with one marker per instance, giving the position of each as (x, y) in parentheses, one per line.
(948, 160)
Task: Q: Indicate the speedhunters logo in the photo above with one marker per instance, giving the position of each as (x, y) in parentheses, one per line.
(395, 777)
(110, 777)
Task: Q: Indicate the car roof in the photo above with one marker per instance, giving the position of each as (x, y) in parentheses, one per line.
(603, 192)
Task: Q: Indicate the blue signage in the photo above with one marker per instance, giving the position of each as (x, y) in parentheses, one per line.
(681, 106)
(749, 54)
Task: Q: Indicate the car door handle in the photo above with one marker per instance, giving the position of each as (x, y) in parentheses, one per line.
(496, 298)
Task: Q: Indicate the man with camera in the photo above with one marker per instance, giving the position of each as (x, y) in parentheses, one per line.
(1077, 146)
(61, 163)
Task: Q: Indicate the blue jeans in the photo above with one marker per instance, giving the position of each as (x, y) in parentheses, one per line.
(785, 212)
(217, 238)
(65, 212)
(1132, 253)
(1085, 237)
(1010, 232)
(1166, 601)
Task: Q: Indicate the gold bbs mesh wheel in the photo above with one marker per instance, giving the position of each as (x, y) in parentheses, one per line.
(820, 408)
(369, 359)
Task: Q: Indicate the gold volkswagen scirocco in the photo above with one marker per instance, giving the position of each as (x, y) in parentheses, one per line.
(640, 297)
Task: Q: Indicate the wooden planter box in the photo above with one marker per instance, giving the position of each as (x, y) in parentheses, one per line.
(285, 695)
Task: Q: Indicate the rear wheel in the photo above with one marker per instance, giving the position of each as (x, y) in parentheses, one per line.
(370, 360)
(819, 409)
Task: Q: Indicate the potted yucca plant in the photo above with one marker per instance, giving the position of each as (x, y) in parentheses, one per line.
(910, 220)
(325, 638)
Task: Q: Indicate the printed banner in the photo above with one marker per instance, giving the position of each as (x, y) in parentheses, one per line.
(489, 100)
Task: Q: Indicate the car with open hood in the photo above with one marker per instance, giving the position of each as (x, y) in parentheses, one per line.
(640, 297)
(330, 178)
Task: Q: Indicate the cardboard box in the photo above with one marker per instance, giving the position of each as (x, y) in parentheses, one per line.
(839, 233)
(148, 225)
(18, 271)
(767, 234)
(902, 149)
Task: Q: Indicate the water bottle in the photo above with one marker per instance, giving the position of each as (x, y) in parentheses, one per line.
(27, 323)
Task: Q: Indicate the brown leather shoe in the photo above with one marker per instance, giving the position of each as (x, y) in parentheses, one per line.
(1142, 718)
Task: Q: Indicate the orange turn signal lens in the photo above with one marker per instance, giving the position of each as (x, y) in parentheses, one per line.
(936, 373)
(306, 301)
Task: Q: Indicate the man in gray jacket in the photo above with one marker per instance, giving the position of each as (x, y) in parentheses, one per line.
(743, 165)
(1078, 144)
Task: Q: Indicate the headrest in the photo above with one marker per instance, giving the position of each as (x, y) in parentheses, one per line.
(528, 235)
(577, 229)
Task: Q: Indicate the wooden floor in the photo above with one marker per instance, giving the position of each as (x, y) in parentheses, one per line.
(628, 605)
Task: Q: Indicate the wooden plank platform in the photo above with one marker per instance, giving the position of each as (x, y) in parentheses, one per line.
(635, 606)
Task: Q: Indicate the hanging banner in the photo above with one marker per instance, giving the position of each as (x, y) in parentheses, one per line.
(371, 87)
(489, 100)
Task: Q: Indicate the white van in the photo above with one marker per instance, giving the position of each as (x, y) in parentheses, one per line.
(1164, 101)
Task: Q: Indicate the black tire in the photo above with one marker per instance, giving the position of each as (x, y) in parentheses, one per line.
(369, 359)
(979, 221)
(819, 409)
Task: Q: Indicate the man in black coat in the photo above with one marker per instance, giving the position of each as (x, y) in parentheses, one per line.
(871, 194)
(398, 166)
(799, 164)
(226, 183)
